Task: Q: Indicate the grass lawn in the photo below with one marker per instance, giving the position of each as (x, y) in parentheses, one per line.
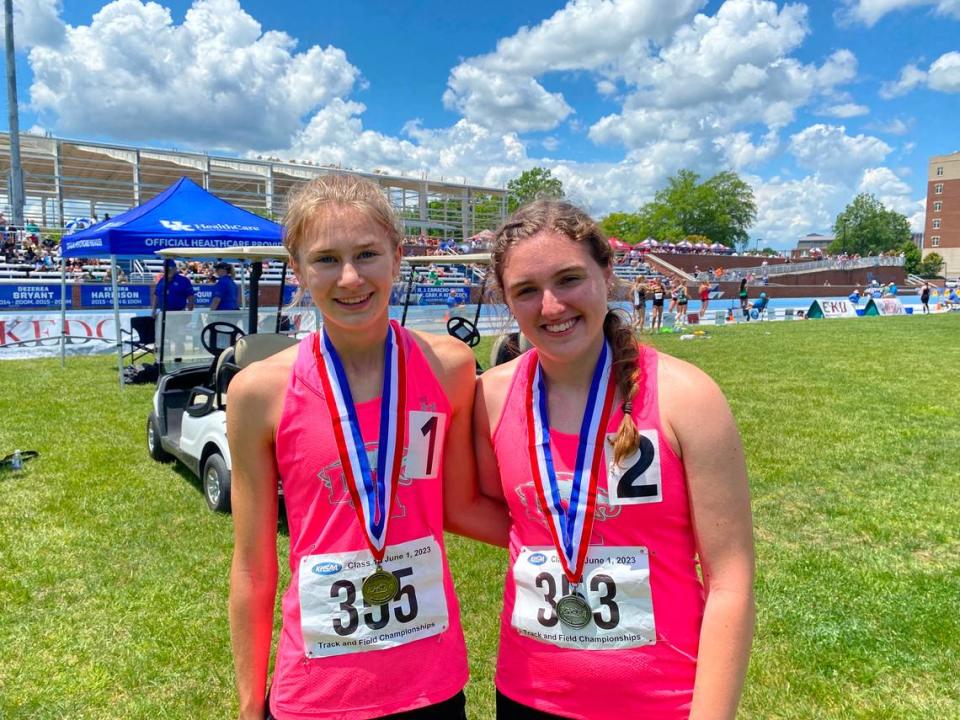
(113, 574)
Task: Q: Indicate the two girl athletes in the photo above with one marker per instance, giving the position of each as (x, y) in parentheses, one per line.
(604, 610)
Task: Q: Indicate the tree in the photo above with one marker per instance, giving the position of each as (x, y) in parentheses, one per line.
(721, 208)
(867, 227)
(535, 184)
(911, 258)
(625, 226)
(930, 266)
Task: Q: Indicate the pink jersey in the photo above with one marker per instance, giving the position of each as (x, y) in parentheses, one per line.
(637, 657)
(337, 657)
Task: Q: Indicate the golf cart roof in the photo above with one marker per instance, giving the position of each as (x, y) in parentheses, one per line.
(471, 259)
(250, 252)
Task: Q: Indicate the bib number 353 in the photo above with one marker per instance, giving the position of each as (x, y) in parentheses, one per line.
(616, 584)
(334, 618)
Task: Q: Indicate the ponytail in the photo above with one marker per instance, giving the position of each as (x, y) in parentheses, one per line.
(626, 375)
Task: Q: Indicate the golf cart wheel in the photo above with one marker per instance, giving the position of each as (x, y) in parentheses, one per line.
(154, 446)
(216, 483)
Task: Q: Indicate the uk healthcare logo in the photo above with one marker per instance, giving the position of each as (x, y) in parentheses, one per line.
(177, 226)
(537, 559)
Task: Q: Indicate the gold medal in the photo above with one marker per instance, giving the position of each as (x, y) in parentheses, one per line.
(380, 588)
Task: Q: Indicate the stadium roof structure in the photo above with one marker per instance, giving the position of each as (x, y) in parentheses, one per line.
(69, 178)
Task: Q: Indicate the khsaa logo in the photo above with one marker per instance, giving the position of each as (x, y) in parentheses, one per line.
(327, 568)
(538, 559)
(177, 225)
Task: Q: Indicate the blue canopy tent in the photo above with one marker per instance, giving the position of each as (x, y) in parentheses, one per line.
(182, 216)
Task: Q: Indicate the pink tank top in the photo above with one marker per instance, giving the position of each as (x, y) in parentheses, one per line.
(338, 658)
(638, 655)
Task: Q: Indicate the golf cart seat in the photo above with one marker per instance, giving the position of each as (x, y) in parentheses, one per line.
(247, 350)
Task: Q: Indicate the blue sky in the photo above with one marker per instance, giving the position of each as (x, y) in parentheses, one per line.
(811, 103)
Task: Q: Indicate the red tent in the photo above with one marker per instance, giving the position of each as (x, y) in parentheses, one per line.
(619, 245)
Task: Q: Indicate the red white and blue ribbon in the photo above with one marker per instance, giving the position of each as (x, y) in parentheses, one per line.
(373, 496)
(571, 526)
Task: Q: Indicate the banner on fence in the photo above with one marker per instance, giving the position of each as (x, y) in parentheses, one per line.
(26, 335)
(24, 295)
(438, 294)
(102, 296)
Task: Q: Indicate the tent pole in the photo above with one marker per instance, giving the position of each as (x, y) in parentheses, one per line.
(483, 286)
(256, 271)
(243, 285)
(63, 310)
(116, 317)
(283, 284)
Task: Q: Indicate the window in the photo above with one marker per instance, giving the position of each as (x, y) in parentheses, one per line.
(936, 223)
(935, 241)
(939, 170)
(938, 189)
(937, 205)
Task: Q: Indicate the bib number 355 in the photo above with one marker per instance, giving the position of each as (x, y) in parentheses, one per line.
(616, 584)
(334, 618)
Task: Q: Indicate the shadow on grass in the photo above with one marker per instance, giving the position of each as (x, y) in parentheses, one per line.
(283, 527)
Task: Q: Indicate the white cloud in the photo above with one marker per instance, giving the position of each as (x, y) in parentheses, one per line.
(943, 76)
(499, 100)
(36, 22)
(895, 126)
(551, 143)
(500, 90)
(789, 209)
(828, 150)
(910, 77)
(845, 110)
(895, 194)
(719, 74)
(217, 80)
(870, 12)
(741, 152)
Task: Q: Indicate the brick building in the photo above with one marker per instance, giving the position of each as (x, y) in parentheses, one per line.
(942, 229)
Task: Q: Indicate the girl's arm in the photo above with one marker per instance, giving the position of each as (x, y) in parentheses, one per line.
(709, 443)
(253, 575)
(466, 510)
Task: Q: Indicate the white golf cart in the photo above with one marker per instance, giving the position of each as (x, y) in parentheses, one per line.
(188, 420)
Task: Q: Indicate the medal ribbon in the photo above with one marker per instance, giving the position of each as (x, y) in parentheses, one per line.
(570, 528)
(372, 497)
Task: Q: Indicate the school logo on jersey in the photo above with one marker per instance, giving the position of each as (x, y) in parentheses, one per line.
(333, 480)
(527, 494)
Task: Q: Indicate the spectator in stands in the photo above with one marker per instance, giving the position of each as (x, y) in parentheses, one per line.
(179, 296)
(225, 290)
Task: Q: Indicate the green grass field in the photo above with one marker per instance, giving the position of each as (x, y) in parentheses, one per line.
(113, 574)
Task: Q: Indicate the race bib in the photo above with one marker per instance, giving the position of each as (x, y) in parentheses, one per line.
(635, 480)
(616, 584)
(335, 620)
(426, 433)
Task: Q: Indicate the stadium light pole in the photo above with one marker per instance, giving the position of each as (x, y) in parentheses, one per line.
(15, 181)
